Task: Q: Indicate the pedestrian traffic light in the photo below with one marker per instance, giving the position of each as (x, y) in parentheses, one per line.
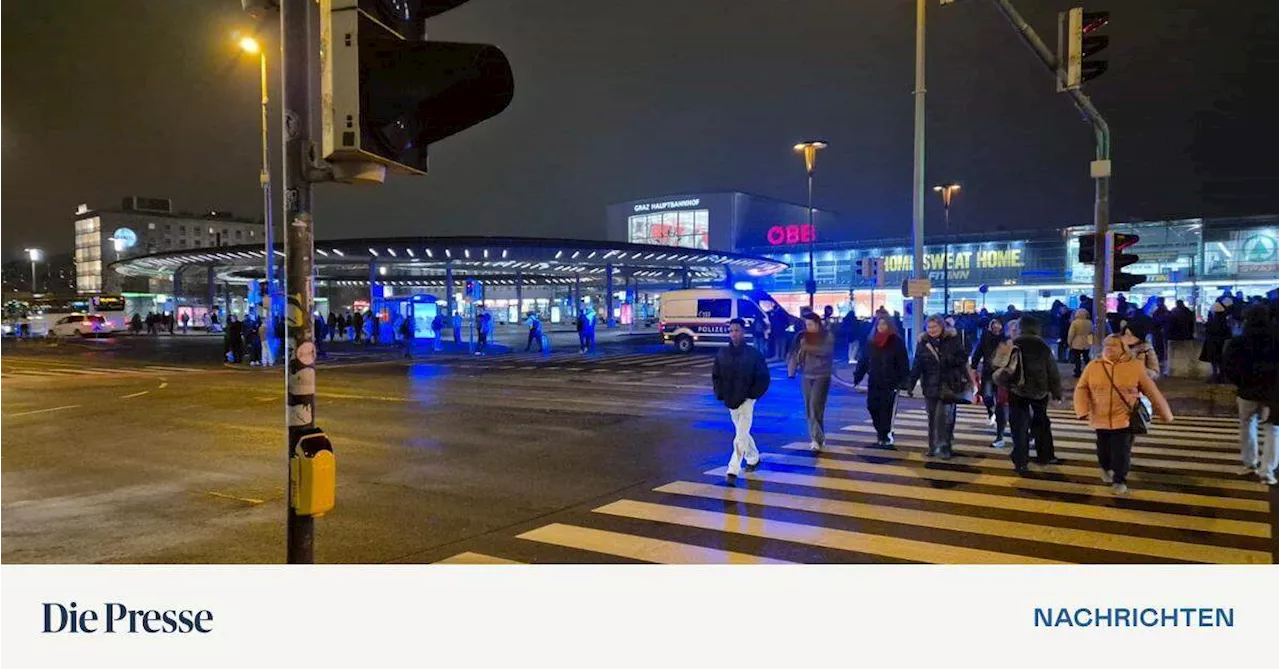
(388, 92)
(1078, 28)
(1087, 255)
(1121, 281)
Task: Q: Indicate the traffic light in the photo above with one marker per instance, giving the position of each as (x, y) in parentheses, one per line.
(1077, 29)
(388, 93)
(1121, 281)
(1087, 256)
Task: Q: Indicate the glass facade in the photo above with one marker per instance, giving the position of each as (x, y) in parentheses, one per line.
(688, 229)
(88, 255)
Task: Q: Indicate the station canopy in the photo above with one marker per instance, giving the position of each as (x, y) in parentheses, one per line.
(497, 261)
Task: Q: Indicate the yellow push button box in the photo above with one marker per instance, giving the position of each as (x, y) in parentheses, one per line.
(313, 474)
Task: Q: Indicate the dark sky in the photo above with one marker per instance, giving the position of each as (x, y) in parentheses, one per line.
(622, 99)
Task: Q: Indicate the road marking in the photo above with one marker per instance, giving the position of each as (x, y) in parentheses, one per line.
(845, 540)
(1018, 482)
(1091, 539)
(1029, 505)
(139, 394)
(36, 411)
(176, 369)
(1002, 463)
(1168, 436)
(249, 500)
(637, 547)
(164, 384)
(476, 558)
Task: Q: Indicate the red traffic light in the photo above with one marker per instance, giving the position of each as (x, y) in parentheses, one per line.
(1123, 241)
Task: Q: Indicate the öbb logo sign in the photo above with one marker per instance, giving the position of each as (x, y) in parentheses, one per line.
(780, 235)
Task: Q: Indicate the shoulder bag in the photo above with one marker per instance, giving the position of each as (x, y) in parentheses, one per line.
(1139, 413)
(946, 393)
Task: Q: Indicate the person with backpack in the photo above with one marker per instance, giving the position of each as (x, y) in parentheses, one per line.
(1109, 395)
(942, 370)
(1031, 377)
(740, 377)
(1250, 362)
(983, 360)
(884, 364)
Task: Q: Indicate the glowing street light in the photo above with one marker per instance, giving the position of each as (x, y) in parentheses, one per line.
(35, 256)
(946, 190)
(810, 151)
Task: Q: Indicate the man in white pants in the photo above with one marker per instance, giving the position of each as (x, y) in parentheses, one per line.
(740, 376)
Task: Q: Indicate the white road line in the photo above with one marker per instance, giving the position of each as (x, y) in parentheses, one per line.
(30, 413)
(139, 394)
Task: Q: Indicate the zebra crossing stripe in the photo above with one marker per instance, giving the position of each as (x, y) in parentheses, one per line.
(1079, 538)
(476, 558)
(1028, 505)
(1057, 443)
(638, 547)
(998, 459)
(1079, 429)
(846, 540)
(1018, 482)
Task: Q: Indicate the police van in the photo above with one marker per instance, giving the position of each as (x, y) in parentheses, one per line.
(700, 316)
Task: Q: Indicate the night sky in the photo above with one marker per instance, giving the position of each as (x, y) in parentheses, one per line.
(623, 99)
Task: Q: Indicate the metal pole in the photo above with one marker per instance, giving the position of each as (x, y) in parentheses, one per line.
(1102, 182)
(33, 276)
(946, 252)
(449, 306)
(917, 176)
(608, 294)
(264, 177)
(299, 26)
(813, 286)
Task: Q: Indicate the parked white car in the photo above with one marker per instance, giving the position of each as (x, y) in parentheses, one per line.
(81, 325)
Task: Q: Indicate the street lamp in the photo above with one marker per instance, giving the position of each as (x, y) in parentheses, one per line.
(810, 151)
(34, 255)
(251, 45)
(946, 190)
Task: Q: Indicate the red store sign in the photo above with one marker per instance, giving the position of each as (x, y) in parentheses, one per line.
(786, 235)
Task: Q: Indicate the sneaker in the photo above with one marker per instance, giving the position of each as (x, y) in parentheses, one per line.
(991, 420)
(1249, 469)
(1119, 489)
(1266, 477)
(815, 446)
(889, 439)
(998, 442)
(1107, 477)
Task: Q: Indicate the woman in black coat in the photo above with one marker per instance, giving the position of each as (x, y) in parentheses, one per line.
(1216, 334)
(884, 363)
(942, 369)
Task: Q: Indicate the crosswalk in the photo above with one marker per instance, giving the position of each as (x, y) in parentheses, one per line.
(854, 502)
(645, 364)
(53, 372)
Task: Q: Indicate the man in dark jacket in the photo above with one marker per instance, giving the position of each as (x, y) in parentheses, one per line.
(740, 376)
(1249, 362)
(1031, 377)
(1182, 323)
(983, 359)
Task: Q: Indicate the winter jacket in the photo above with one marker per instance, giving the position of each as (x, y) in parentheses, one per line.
(738, 374)
(1216, 334)
(1145, 353)
(984, 352)
(1182, 324)
(1249, 362)
(1105, 407)
(1038, 376)
(950, 365)
(815, 358)
(1080, 333)
(886, 367)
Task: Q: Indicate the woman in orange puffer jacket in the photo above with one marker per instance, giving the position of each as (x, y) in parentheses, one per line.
(1108, 390)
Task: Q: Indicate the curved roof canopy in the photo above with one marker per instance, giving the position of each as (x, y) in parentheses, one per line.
(499, 260)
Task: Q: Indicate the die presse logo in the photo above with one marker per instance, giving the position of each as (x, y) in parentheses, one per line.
(115, 618)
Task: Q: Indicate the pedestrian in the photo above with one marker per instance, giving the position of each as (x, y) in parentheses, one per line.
(884, 364)
(331, 325)
(357, 326)
(942, 369)
(983, 361)
(1216, 333)
(481, 338)
(1107, 395)
(457, 329)
(374, 324)
(1062, 318)
(581, 325)
(437, 330)
(1250, 362)
(135, 325)
(186, 320)
(589, 319)
(252, 342)
(1080, 339)
(760, 334)
(828, 313)
(1160, 318)
(406, 333)
(268, 358)
(740, 377)
(169, 322)
(812, 358)
(778, 323)
(1031, 377)
(320, 334)
(1134, 335)
(231, 340)
(535, 331)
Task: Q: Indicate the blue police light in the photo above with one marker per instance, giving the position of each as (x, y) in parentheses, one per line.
(743, 285)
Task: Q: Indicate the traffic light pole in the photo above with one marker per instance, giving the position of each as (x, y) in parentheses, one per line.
(299, 28)
(917, 181)
(1101, 169)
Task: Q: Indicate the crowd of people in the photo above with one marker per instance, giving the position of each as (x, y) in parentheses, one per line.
(1006, 363)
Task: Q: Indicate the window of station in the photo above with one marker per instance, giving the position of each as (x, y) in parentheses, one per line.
(688, 229)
